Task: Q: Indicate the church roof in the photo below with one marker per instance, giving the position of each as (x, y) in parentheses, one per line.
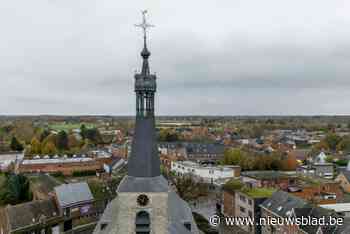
(144, 159)
(146, 184)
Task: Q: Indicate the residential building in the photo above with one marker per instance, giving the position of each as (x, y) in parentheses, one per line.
(274, 179)
(344, 178)
(317, 190)
(176, 149)
(41, 216)
(74, 202)
(242, 200)
(204, 152)
(71, 208)
(204, 172)
(248, 203)
(193, 151)
(342, 209)
(280, 206)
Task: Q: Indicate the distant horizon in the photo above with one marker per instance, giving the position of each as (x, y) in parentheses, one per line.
(199, 115)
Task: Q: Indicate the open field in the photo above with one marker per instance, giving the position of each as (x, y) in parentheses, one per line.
(69, 126)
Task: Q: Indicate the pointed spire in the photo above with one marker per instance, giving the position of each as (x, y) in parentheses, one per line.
(145, 53)
(144, 159)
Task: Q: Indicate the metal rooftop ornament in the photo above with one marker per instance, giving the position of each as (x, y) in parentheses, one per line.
(144, 25)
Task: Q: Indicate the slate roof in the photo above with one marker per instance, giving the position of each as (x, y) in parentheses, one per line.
(140, 184)
(316, 212)
(144, 160)
(345, 228)
(73, 194)
(282, 202)
(284, 205)
(30, 213)
(202, 148)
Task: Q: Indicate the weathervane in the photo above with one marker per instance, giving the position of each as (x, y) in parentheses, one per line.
(144, 25)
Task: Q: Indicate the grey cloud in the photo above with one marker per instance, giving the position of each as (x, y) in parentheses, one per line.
(227, 57)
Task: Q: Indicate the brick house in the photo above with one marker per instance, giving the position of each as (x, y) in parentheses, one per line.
(273, 179)
(317, 190)
(65, 165)
(228, 201)
(71, 209)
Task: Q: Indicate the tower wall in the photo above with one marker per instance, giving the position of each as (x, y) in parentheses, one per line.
(128, 208)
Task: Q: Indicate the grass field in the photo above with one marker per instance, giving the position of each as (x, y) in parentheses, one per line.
(69, 126)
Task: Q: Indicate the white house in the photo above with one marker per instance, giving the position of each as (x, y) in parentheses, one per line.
(208, 174)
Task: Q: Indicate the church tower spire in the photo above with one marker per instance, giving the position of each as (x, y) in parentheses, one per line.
(145, 204)
(144, 160)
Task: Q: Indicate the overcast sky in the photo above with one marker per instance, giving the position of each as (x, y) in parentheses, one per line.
(218, 57)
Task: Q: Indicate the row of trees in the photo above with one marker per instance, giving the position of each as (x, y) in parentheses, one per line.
(63, 142)
(333, 142)
(250, 161)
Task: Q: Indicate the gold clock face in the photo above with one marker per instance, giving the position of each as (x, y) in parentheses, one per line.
(142, 200)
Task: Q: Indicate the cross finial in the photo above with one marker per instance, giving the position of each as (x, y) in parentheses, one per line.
(144, 25)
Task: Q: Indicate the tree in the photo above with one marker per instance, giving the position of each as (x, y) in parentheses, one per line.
(35, 146)
(15, 190)
(344, 144)
(332, 140)
(83, 131)
(44, 134)
(168, 136)
(93, 135)
(73, 141)
(62, 141)
(16, 145)
(50, 138)
(49, 148)
(290, 163)
(233, 157)
(188, 189)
